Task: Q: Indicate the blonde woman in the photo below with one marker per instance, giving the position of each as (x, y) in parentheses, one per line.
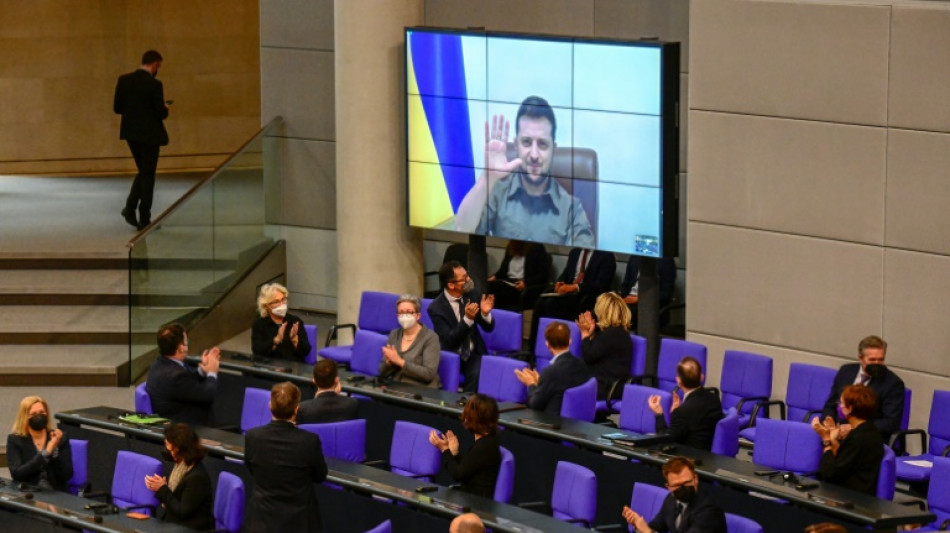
(278, 334)
(606, 345)
(37, 453)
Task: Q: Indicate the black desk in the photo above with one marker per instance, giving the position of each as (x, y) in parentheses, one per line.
(24, 511)
(443, 502)
(538, 448)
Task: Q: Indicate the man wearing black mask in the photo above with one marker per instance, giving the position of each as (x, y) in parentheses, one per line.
(685, 509)
(870, 371)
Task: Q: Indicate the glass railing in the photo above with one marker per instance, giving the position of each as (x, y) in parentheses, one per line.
(191, 255)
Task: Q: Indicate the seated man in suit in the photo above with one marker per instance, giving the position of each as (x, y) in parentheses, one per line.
(457, 313)
(630, 286)
(328, 404)
(178, 391)
(286, 462)
(685, 509)
(870, 371)
(467, 523)
(587, 275)
(546, 390)
(692, 420)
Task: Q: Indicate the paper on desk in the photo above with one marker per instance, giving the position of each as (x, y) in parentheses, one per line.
(920, 462)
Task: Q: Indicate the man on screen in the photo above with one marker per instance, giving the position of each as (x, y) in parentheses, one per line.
(523, 201)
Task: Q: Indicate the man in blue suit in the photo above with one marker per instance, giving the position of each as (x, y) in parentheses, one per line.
(686, 509)
(546, 390)
(178, 391)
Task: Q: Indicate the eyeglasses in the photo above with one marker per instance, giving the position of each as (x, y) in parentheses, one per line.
(278, 302)
(463, 280)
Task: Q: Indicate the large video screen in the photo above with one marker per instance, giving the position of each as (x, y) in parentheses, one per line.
(554, 140)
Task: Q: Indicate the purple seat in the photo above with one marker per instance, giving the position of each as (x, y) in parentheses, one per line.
(808, 388)
(541, 353)
(80, 453)
(128, 489)
(938, 427)
(726, 437)
(256, 409)
(671, 352)
(887, 475)
(344, 440)
(367, 352)
(741, 524)
(505, 485)
(449, 370)
(638, 367)
(574, 498)
(411, 454)
(229, 503)
(426, 319)
(497, 379)
(745, 383)
(143, 403)
(580, 402)
(377, 314)
(636, 414)
(646, 500)
(938, 494)
(384, 527)
(507, 336)
(787, 446)
(311, 331)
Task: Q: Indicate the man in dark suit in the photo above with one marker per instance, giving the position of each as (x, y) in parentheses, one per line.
(140, 99)
(587, 275)
(629, 287)
(455, 313)
(328, 405)
(178, 391)
(692, 421)
(687, 509)
(285, 462)
(546, 390)
(870, 371)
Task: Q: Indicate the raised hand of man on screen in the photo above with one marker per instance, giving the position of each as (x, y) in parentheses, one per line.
(497, 167)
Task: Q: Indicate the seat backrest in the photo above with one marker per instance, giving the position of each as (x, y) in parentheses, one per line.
(256, 409)
(143, 403)
(635, 413)
(938, 493)
(786, 445)
(726, 437)
(343, 440)
(647, 500)
(887, 475)
(939, 425)
(128, 489)
(229, 503)
(505, 485)
(384, 527)
(741, 524)
(367, 352)
(449, 368)
(745, 375)
(671, 352)
(497, 379)
(311, 331)
(575, 492)
(638, 363)
(426, 319)
(80, 453)
(580, 402)
(808, 388)
(506, 337)
(378, 311)
(411, 453)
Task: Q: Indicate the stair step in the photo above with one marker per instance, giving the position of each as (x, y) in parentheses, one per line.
(54, 262)
(63, 324)
(64, 282)
(63, 365)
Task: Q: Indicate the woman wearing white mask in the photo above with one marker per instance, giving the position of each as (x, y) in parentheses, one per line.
(278, 334)
(412, 352)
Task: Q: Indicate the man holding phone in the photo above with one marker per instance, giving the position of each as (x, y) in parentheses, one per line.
(140, 99)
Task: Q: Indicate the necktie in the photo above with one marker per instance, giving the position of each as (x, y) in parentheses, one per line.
(679, 515)
(465, 350)
(865, 379)
(580, 273)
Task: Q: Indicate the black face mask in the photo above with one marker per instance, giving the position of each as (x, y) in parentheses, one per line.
(685, 494)
(875, 371)
(38, 422)
(167, 455)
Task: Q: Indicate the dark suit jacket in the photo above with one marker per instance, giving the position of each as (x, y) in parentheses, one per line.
(608, 354)
(694, 422)
(27, 464)
(265, 329)
(537, 265)
(565, 372)
(191, 503)
(598, 276)
(858, 461)
(890, 398)
(328, 407)
(666, 274)
(180, 393)
(140, 99)
(700, 516)
(285, 462)
(453, 332)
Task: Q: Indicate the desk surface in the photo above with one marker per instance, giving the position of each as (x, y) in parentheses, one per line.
(826, 498)
(355, 476)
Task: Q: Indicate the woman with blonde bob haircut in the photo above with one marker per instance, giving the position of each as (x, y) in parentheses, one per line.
(278, 334)
(37, 453)
(606, 345)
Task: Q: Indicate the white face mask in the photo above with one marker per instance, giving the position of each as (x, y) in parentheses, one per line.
(280, 310)
(406, 320)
